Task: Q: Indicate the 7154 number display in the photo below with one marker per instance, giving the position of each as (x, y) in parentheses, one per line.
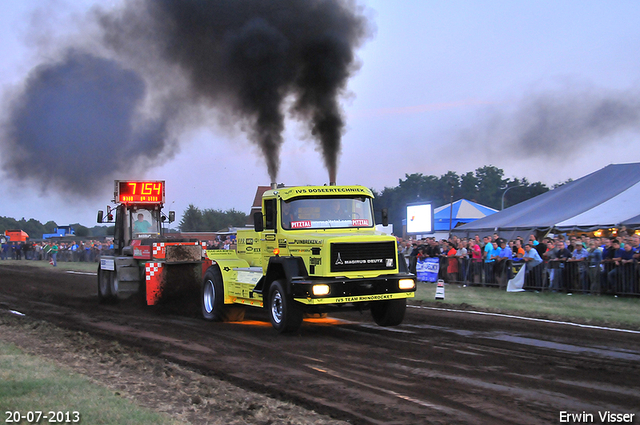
(140, 192)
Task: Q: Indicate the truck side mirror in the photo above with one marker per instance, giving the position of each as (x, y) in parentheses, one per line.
(385, 217)
(258, 225)
(172, 216)
(100, 216)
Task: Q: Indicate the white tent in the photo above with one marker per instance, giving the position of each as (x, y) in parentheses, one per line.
(608, 214)
(609, 197)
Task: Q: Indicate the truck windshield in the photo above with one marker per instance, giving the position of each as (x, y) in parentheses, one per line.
(144, 224)
(326, 213)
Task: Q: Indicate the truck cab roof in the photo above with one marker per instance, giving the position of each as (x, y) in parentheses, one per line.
(287, 193)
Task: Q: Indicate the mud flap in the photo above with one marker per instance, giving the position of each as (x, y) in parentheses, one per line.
(153, 277)
(168, 283)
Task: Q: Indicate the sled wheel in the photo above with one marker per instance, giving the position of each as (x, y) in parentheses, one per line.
(105, 286)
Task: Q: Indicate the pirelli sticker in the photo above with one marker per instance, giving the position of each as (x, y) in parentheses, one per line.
(356, 299)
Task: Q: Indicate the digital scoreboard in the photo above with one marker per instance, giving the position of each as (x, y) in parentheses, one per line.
(139, 191)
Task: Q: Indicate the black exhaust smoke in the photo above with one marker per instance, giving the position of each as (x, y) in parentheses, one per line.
(72, 126)
(249, 56)
(77, 121)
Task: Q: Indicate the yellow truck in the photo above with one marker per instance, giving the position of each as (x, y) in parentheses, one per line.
(313, 250)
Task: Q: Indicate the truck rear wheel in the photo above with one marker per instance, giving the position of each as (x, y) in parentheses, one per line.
(284, 314)
(212, 296)
(390, 312)
(212, 300)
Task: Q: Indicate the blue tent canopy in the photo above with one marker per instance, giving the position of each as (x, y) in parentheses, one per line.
(460, 212)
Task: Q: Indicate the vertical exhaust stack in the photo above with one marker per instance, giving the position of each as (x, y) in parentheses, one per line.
(332, 183)
(274, 185)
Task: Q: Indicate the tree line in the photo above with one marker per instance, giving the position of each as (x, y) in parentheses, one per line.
(194, 220)
(211, 220)
(486, 185)
(36, 229)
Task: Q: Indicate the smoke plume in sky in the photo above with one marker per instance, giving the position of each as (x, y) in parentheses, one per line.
(73, 124)
(554, 123)
(82, 118)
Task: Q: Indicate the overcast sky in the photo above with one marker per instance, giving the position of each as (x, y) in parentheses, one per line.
(546, 90)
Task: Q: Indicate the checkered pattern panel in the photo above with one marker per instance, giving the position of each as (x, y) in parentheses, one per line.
(151, 269)
(158, 248)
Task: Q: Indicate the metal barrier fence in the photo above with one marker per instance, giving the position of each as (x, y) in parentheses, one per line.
(604, 277)
(81, 255)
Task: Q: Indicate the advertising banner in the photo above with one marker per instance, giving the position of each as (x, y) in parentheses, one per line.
(427, 269)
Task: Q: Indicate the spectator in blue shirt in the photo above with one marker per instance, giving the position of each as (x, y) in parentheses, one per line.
(505, 251)
(488, 261)
(595, 267)
(495, 253)
(579, 258)
(503, 262)
(531, 257)
(620, 279)
(488, 249)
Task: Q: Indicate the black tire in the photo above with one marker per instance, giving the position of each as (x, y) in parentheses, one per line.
(113, 286)
(104, 289)
(212, 296)
(284, 314)
(389, 313)
(106, 286)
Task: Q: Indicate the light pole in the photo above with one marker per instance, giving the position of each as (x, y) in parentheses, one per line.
(505, 192)
(451, 208)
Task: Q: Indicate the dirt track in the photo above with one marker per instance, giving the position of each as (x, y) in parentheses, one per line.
(437, 367)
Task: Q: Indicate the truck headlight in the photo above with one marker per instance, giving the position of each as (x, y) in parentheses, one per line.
(406, 284)
(320, 290)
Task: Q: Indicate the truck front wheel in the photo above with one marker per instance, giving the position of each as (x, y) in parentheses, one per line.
(284, 314)
(389, 313)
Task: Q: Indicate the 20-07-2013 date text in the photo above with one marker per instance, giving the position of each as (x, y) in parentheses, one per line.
(40, 416)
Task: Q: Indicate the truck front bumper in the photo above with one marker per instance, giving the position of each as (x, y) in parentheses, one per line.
(342, 291)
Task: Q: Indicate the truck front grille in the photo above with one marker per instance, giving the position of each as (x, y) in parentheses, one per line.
(363, 256)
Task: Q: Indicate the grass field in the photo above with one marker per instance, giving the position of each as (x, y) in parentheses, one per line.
(31, 384)
(597, 310)
(75, 266)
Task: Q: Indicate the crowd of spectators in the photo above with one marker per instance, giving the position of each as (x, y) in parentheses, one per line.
(222, 243)
(53, 251)
(85, 251)
(576, 263)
